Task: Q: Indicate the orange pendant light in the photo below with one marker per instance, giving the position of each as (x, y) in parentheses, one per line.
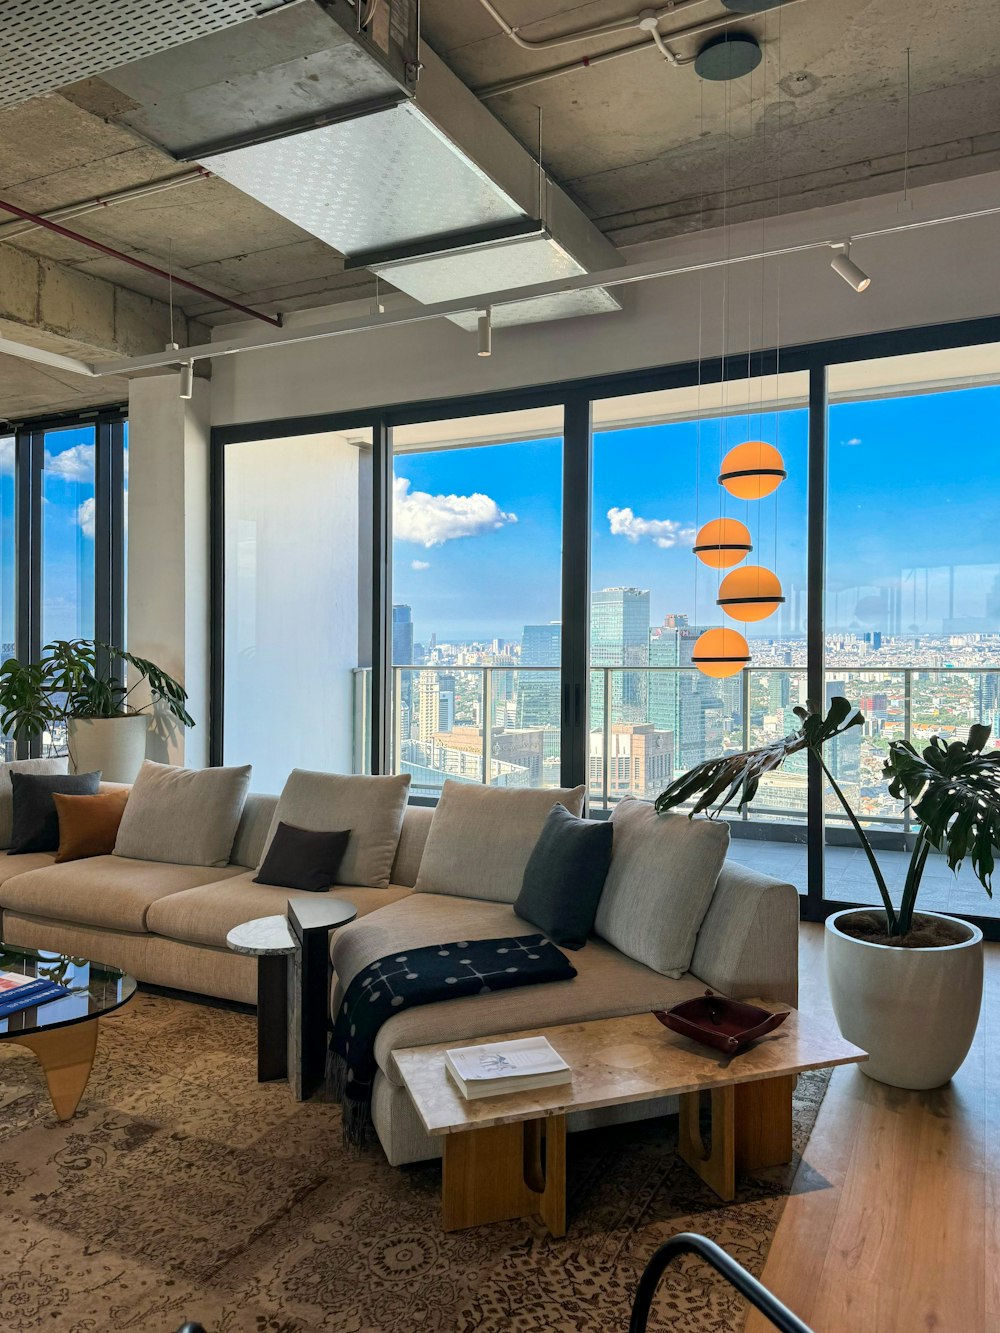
(750, 593)
(722, 542)
(720, 652)
(752, 470)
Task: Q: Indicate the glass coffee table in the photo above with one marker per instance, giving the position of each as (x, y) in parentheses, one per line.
(63, 1033)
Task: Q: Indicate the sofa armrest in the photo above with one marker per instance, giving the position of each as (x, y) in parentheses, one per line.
(748, 944)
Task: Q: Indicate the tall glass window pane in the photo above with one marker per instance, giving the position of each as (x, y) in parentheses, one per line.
(295, 624)
(653, 714)
(8, 572)
(476, 591)
(68, 516)
(913, 591)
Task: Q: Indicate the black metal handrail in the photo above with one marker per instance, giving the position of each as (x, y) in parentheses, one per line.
(688, 1242)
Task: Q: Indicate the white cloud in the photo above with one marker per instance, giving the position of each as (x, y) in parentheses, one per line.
(420, 564)
(855, 439)
(85, 516)
(73, 464)
(663, 532)
(431, 520)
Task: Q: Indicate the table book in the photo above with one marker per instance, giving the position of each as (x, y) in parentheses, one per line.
(506, 1066)
(18, 992)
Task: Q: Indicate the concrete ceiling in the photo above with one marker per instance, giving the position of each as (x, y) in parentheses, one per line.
(647, 150)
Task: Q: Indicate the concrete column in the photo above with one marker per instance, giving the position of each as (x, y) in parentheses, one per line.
(168, 552)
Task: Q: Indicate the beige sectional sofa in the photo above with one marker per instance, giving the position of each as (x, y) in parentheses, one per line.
(167, 925)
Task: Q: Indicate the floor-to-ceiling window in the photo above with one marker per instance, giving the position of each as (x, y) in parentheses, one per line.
(296, 600)
(8, 563)
(69, 517)
(476, 600)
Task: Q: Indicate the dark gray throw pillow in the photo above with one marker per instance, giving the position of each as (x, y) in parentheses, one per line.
(302, 858)
(36, 824)
(564, 877)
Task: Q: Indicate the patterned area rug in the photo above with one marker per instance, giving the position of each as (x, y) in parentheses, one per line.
(183, 1189)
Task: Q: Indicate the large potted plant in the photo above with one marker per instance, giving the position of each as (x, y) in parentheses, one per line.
(906, 985)
(79, 684)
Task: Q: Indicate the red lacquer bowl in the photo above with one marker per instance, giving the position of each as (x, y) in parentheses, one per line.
(728, 1025)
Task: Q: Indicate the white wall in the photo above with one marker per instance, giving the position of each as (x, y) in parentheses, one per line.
(933, 275)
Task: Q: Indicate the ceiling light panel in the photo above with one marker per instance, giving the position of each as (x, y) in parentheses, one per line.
(369, 184)
(45, 46)
(496, 266)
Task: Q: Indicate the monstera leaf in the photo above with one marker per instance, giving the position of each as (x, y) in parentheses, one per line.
(953, 789)
(718, 782)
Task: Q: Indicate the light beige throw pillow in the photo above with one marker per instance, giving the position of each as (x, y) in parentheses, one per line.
(481, 838)
(187, 816)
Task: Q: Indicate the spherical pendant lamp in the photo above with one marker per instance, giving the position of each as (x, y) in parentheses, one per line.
(722, 542)
(750, 593)
(752, 470)
(720, 652)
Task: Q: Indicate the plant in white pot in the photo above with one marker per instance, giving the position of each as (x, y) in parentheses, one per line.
(78, 683)
(906, 986)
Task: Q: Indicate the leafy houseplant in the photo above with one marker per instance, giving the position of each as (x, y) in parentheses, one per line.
(907, 991)
(79, 683)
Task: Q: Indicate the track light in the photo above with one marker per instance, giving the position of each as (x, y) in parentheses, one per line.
(187, 379)
(843, 264)
(486, 332)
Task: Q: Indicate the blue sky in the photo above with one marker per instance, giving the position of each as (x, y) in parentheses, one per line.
(913, 486)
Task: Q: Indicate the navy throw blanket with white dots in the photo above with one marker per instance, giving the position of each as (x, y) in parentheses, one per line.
(423, 976)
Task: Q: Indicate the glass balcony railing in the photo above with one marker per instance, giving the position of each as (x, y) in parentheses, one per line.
(500, 724)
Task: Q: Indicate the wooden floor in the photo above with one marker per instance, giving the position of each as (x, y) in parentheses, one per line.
(894, 1221)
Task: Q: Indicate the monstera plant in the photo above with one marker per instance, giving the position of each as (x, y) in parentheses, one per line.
(906, 986)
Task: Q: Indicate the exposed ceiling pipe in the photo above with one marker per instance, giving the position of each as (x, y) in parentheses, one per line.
(131, 194)
(586, 62)
(583, 34)
(59, 230)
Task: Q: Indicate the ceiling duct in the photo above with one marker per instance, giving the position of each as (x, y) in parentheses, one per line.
(329, 126)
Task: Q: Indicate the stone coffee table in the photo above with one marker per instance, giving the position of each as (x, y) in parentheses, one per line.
(505, 1156)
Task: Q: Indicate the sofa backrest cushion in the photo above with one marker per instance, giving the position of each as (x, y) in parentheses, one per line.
(417, 821)
(370, 807)
(481, 838)
(663, 873)
(60, 765)
(186, 816)
(253, 830)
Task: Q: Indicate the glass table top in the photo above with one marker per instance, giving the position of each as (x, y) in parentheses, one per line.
(94, 989)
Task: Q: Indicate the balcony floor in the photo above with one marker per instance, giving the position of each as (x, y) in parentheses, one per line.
(849, 877)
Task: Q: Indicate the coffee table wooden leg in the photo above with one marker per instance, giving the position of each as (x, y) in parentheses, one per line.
(67, 1056)
(716, 1161)
(505, 1171)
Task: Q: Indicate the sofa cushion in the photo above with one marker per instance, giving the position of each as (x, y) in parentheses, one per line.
(663, 873)
(109, 891)
(183, 814)
(36, 824)
(371, 807)
(481, 838)
(607, 984)
(88, 825)
(564, 877)
(59, 765)
(417, 821)
(20, 865)
(302, 858)
(206, 915)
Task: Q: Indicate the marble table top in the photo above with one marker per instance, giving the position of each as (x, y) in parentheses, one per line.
(615, 1061)
(265, 935)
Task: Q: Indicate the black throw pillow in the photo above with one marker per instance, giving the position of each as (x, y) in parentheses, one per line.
(36, 824)
(301, 858)
(564, 877)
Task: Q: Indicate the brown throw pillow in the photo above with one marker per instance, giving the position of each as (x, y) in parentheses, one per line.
(88, 825)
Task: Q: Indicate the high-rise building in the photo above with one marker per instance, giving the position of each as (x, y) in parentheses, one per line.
(537, 692)
(640, 760)
(402, 655)
(428, 706)
(446, 703)
(700, 708)
(664, 651)
(619, 637)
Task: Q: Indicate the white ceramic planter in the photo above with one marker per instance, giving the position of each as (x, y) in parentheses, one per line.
(115, 745)
(914, 1011)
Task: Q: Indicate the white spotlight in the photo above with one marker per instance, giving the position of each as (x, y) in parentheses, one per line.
(843, 264)
(187, 379)
(486, 332)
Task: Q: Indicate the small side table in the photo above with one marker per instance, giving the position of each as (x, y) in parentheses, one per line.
(292, 1003)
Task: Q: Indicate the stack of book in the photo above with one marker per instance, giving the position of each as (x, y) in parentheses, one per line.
(17, 992)
(506, 1066)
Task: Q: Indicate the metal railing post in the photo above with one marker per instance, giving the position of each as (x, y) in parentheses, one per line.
(907, 733)
(745, 705)
(487, 724)
(397, 717)
(606, 739)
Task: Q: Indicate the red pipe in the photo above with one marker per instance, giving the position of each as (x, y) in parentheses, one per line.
(136, 263)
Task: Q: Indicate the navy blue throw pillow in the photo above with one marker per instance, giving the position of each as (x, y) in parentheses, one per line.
(36, 824)
(564, 877)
